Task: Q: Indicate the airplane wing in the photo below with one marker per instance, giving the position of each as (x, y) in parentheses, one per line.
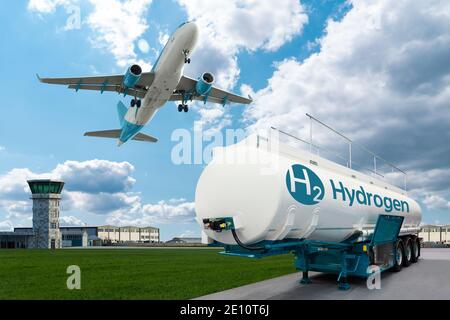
(215, 95)
(112, 83)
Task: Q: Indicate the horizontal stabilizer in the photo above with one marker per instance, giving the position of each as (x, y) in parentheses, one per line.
(114, 134)
(144, 137)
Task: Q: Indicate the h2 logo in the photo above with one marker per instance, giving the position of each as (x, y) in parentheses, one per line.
(304, 185)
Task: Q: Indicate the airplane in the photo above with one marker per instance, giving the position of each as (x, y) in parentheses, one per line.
(152, 90)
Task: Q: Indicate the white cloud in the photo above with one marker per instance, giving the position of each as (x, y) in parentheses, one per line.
(163, 37)
(143, 46)
(95, 176)
(117, 25)
(47, 6)
(70, 221)
(189, 234)
(2, 148)
(100, 203)
(249, 24)
(382, 76)
(227, 27)
(436, 202)
(13, 185)
(6, 226)
(96, 186)
(161, 212)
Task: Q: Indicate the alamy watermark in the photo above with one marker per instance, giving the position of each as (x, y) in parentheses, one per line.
(374, 278)
(74, 280)
(73, 21)
(200, 147)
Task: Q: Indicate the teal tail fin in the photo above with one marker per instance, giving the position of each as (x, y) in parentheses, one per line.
(121, 111)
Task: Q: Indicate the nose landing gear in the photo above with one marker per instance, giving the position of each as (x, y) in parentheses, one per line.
(186, 56)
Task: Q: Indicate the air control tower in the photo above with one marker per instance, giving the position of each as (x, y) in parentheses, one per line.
(46, 196)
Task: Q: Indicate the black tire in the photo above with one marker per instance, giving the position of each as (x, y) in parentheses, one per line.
(371, 254)
(133, 103)
(407, 249)
(180, 108)
(399, 256)
(416, 250)
(138, 103)
(186, 109)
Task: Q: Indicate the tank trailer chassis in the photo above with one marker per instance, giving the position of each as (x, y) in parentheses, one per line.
(351, 257)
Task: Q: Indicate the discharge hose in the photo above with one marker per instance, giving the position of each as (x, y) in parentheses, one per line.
(239, 242)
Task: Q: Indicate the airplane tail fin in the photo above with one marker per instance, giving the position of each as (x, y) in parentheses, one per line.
(121, 111)
(115, 134)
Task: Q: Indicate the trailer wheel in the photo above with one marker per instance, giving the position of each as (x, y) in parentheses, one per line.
(415, 250)
(408, 252)
(371, 254)
(399, 256)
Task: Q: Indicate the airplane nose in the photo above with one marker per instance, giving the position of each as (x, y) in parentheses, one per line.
(193, 28)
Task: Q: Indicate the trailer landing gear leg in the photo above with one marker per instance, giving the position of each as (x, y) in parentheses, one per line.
(305, 279)
(342, 279)
(343, 284)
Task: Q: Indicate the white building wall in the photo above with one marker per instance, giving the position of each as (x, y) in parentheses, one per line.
(128, 234)
(435, 234)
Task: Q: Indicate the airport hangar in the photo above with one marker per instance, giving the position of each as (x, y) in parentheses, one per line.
(47, 234)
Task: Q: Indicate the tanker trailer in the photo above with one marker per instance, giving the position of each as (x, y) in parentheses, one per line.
(258, 198)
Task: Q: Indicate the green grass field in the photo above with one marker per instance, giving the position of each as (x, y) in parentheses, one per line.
(131, 273)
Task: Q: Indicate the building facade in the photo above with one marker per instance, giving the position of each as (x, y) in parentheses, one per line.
(112, 234)
(435, 234)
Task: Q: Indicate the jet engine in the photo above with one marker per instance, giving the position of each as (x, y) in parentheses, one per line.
(204, 84)
(132, 76)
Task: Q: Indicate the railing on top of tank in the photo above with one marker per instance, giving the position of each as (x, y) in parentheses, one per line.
(378, 166)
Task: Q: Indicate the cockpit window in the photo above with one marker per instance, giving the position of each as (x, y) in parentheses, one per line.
(182, 25)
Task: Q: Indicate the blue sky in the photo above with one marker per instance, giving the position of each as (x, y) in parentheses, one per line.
(354, 65)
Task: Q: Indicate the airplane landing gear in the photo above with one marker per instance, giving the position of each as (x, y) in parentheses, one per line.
(186, 56)
(183, 107)
(136, 103)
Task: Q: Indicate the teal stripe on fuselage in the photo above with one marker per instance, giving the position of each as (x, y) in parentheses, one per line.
(159, 57)
(121, 112)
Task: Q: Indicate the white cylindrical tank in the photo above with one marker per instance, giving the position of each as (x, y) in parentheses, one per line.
(275, 192)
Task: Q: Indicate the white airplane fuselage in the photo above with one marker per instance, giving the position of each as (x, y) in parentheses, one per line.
(168, 70)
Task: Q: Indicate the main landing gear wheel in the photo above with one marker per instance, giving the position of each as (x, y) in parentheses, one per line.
(188, 60)
(136, 103)
(182, 108)
(399, 256)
